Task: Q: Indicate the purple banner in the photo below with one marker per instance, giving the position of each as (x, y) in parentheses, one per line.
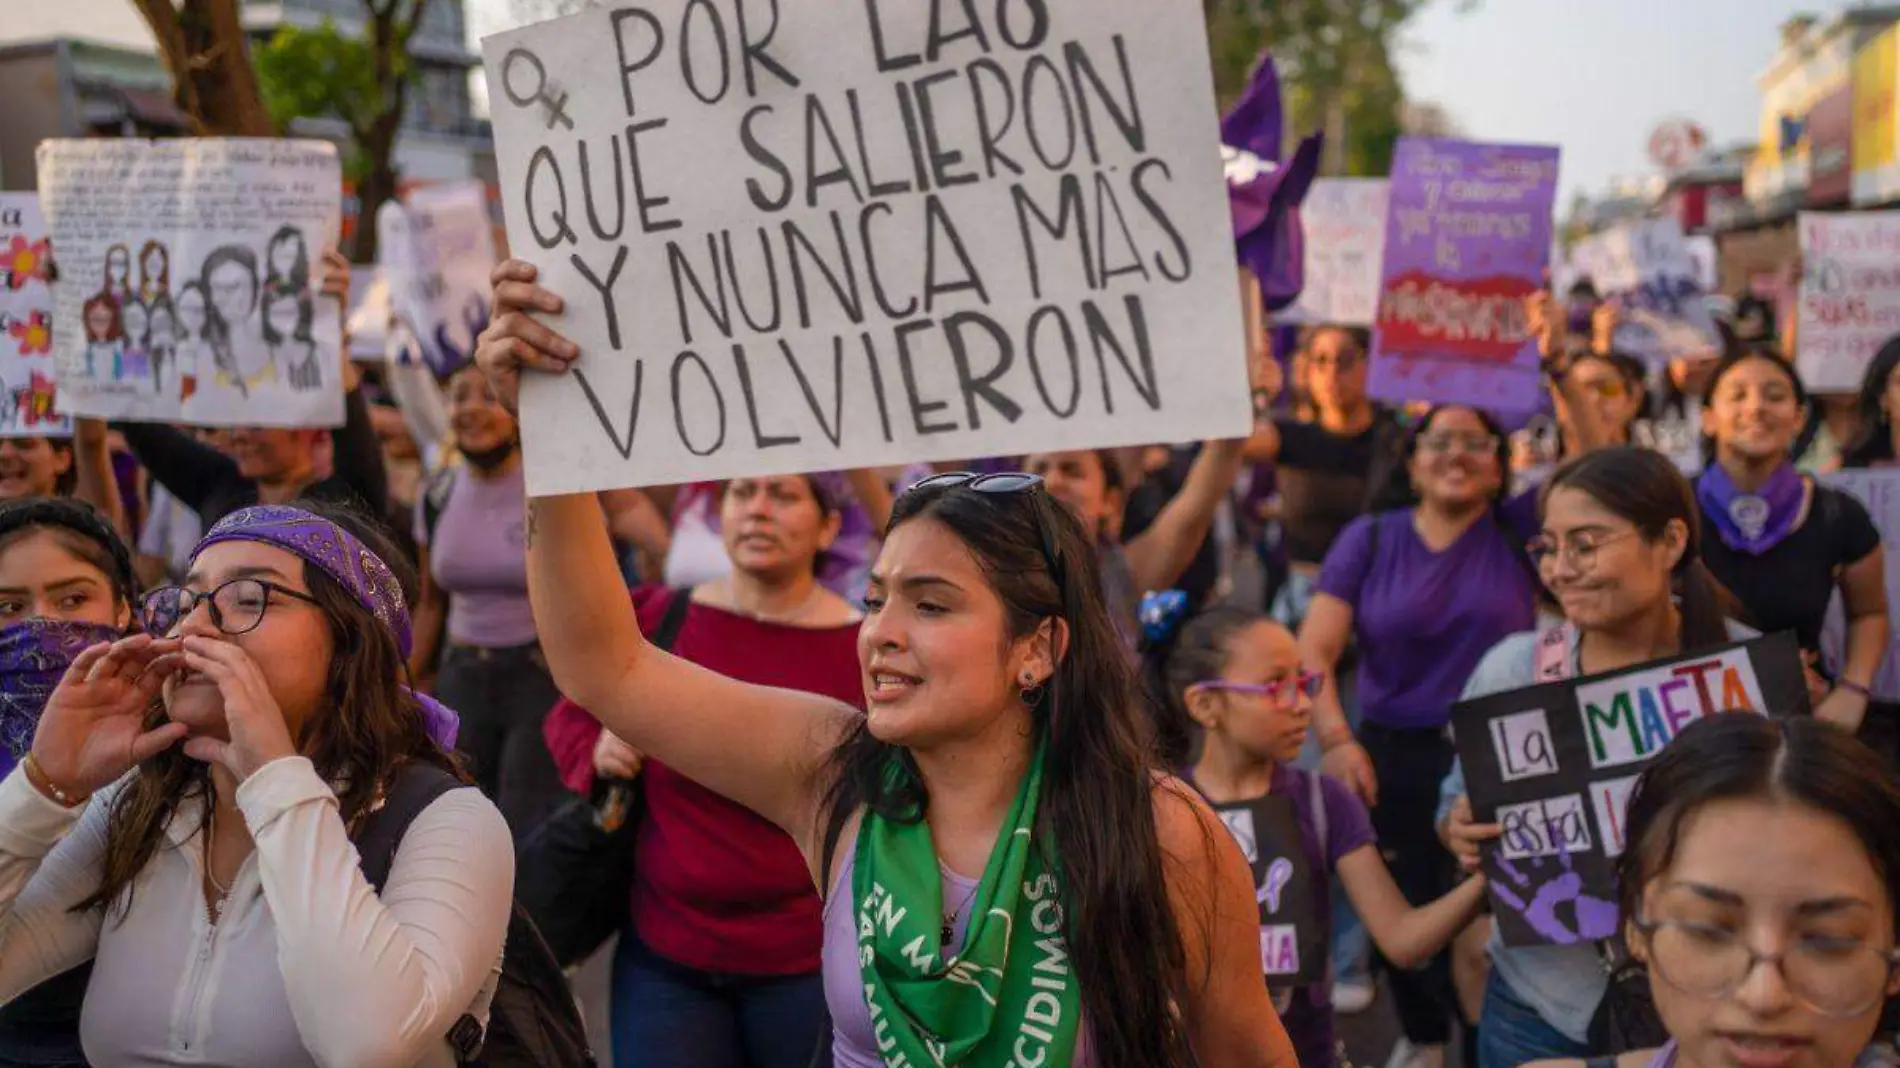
(1467, 239)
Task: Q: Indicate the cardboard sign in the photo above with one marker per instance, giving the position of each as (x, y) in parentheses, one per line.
(1293, 944)
(26, 323)
(1467, 239)
(1344, 220)
(1648, 267)
(1879, 490)
(437, 251)
(189, 277)
(1555, 763)
(809, 236)
(1850, 296)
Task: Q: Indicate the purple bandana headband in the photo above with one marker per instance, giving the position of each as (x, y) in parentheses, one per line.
(345, 558)
(340, 554)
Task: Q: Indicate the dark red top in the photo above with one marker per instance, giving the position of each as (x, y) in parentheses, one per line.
(716, 886)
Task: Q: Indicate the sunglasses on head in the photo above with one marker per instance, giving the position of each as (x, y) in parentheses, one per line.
(1002, 483)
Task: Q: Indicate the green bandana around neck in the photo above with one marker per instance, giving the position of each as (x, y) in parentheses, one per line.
(1009, 995)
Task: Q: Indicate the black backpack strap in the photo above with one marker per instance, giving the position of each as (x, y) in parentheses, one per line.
(415, 787)
(668, 630)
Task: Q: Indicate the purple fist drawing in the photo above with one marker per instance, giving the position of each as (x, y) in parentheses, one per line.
(1548, 890)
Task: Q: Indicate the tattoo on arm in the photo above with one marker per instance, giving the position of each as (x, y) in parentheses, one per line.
(533, 526)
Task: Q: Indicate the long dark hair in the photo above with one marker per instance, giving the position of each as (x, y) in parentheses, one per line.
(1644, 487)
(1098, 803)
(1743, 756)
(81, 531)
(373, 725)
(1394, 487)
(1875, 443)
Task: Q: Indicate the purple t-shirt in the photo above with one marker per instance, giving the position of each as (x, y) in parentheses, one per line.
(479, 558)
(1422, 618)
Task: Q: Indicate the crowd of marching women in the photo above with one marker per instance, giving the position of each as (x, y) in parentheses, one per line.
(928, 765)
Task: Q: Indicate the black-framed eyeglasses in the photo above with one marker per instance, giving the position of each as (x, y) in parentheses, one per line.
(1003, 483)
(237, 607)
(1834, 976)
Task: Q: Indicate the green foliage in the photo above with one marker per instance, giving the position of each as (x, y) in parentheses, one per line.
(318, 73)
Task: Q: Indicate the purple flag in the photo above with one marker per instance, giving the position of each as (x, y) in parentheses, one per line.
(1265, 195)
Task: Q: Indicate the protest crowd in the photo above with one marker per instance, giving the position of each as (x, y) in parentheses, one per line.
(1515, 654)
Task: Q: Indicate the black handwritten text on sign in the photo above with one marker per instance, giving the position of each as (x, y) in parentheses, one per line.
(824, 235)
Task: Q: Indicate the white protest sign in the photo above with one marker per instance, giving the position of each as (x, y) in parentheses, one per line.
(817, 235)
(26, 323)
(437, 251)
(1850, 296)
(1649, 267)
(188, 279)
(1344, 224)
(1879, 490)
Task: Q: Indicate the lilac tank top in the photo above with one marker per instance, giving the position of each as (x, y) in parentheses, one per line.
(853, 1043)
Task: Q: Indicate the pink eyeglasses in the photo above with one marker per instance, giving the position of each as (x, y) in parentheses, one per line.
(1279, 691)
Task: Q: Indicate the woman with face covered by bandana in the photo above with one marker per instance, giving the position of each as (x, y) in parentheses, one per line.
(66, 583)
(184, 820)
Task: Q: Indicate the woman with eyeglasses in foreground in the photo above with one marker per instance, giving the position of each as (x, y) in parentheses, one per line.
(1007, 872)
(184, 819)
(1761, 891)
(1620, 553)
(1424, 590)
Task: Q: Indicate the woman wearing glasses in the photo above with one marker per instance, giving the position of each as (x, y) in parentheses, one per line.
(1762, 894)
(1782, 542)
(183, 819)
(1007, 873)
(1620, 551)
(1424, 591)
(1238, 676)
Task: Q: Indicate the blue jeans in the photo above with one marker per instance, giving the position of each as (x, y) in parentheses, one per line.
(667, 1015)
(1513, 1034)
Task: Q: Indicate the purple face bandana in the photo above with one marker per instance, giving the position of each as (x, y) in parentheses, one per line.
(1264, 194)
(34, 656)
(1752, 523)
(343, 557)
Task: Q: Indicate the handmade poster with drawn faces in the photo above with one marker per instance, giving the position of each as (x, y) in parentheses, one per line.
(27, 405)
(188, 277)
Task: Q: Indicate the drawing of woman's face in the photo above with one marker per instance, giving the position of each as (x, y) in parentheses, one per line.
(98, 322)
(135, 321)
(281, 312)
(283, 256)
(233, 292)
(118, 265)
(153, 268)
(191, 311)
(163, 330)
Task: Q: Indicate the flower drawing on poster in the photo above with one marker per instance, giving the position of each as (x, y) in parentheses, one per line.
(27, 406)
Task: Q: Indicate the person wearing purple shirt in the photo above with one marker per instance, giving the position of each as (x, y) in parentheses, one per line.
(1424, 590)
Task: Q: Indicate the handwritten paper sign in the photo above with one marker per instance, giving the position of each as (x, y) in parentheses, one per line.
(1467, 239)
(26, 323)
(189, 276)
(1649, 268)
(437, 250)
(1555, 764)
(1879, 490)
(810, 236)
(1344, 220)
(1850, 296)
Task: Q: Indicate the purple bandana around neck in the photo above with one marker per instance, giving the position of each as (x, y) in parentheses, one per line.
(1752, 523)
(343, 557)
(34, 656)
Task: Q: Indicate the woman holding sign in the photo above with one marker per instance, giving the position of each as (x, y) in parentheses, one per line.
(1783, 543)
(1007, 872)
(1620, 550)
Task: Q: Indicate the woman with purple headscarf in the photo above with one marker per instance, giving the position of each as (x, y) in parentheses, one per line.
(184, 818)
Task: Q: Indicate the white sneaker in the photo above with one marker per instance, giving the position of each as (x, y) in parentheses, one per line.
(1353, 996)
(1406, 1055)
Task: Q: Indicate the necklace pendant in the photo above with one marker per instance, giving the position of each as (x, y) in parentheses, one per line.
(947, 932)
